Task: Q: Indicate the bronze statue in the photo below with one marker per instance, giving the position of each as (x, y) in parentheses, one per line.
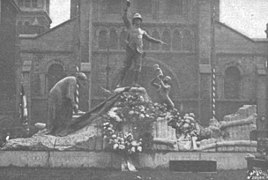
(163, 87)
(62, 103)
(134, 47)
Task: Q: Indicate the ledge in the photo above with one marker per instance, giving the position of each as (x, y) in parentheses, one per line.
(93, 159)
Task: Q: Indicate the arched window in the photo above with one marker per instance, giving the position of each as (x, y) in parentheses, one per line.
(166, 38)
(113, 6)
(103, 39)
(123, 38)
(20, 3)
(146, 44)
(174, 7)
(232, 82)
(187, 43)
(34, 3)
(20, 27)
(157, 36)
(26, 23)
(176, 40)
(55, 73)
(27, 3)
(113, 39)
(144, 6)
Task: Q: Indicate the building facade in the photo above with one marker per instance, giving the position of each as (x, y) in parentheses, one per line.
(213, 67)
(9, 64)
(34, 17)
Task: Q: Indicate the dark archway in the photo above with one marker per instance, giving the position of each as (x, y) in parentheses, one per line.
(55, 73)
(232, 83)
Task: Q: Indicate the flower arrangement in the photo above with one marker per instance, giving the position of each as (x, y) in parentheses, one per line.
(138, 111)
(134, 109)
(185, 125)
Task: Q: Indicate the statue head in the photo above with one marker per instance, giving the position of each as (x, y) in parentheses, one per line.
(137, 19)
(81, 78)
(167, 79)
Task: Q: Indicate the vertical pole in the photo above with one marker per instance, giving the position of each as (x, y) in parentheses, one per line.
(108, 68)
(213, 93)
(266, 68)
(213, 60)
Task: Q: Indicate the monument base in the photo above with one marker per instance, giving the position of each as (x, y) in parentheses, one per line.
(93, 159)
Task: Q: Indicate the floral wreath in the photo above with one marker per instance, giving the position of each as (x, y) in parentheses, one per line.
(185, 125)
(134, 108)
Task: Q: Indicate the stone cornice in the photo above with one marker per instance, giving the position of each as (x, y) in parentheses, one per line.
(45, 51)
(146, 24)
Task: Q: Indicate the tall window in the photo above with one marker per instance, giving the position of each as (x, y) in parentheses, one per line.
(174, 7)
(176, 40)
(232, 82)
(27, 3)
(20, 3)
(55, 73)
(103, 39)
(144, 6)
(166, 38)
(146, 44)
(123, 38)
(113, 39)
(154, 45)
(187, 43)
(34, 3)
(113, 6)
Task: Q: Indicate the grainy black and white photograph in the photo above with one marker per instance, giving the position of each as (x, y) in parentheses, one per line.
(133, 89)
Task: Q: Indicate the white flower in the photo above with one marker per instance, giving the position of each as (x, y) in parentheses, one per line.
(121, 146)
(139, 148)
(133, 149)
(186, 125)
(131, 112)
(115, 146)
(112, 113)
(113, 136)
(134, 143)
(105, 124)
(141, 116)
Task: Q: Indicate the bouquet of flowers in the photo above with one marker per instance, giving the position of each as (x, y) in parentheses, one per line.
(185, 125)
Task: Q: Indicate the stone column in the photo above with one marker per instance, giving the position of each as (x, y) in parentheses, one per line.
(26, 81)
(85, 47)
(74, 8)
(261, 97)
(205, 34)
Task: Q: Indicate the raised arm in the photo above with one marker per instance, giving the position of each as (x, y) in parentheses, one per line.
(166, 86)
(125, 18)
(154, 84)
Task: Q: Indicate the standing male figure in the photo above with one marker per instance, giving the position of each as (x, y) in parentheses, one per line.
(134, 47)
(62, 103)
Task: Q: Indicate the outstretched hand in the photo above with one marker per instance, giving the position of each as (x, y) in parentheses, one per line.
(128, 3)
(163, 43)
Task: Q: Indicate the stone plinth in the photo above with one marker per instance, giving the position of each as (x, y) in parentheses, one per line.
(92, 159)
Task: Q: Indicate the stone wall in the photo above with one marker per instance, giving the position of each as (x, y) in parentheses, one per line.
(226, 161)
(241, 131)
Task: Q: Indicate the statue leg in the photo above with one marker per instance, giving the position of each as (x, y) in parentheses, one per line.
(126, 66)
(138, 66)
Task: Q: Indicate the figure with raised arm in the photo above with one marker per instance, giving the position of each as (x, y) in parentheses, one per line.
(163, 86)
(134, 47)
